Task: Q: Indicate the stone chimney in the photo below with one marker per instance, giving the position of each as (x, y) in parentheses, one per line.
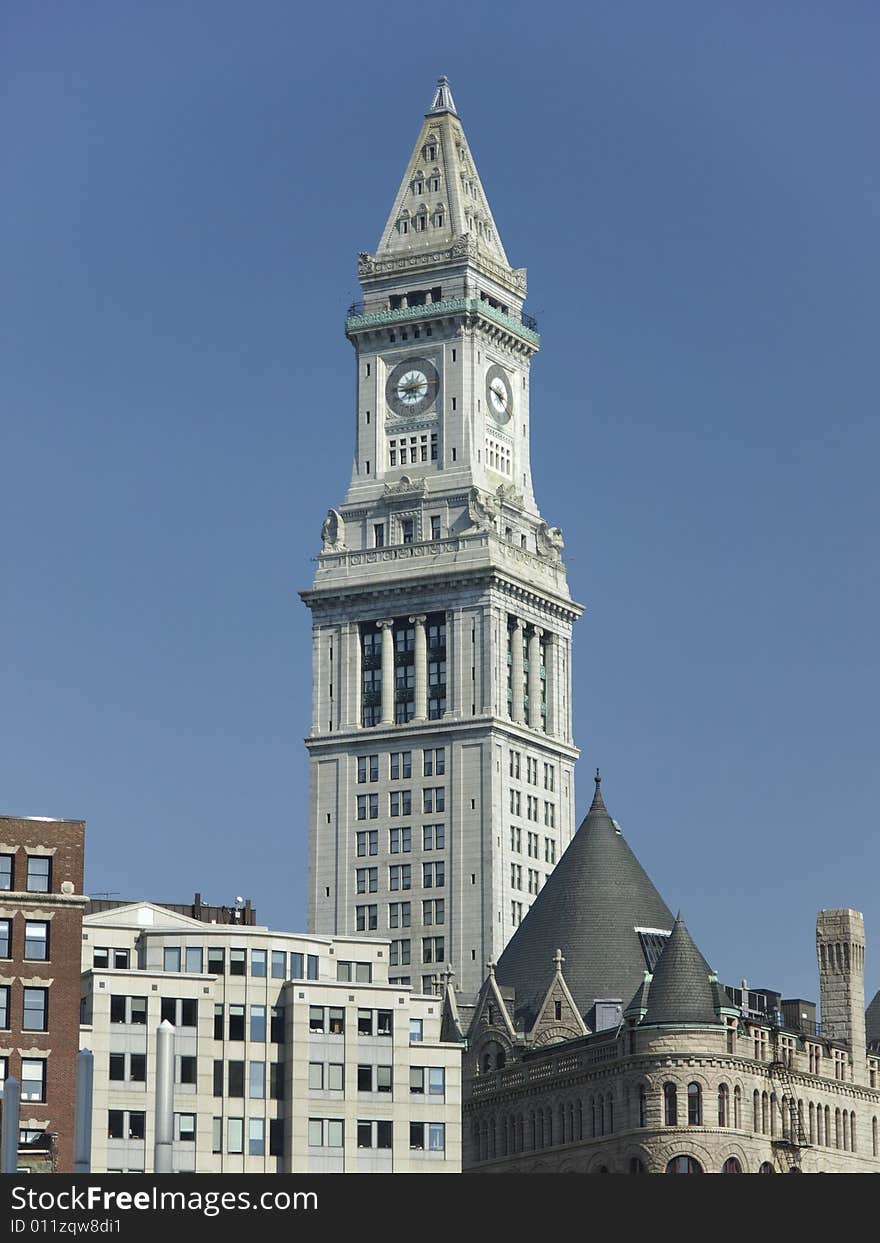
(840, 949)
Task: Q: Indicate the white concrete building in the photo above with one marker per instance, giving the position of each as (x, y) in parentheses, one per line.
(292, 1053)
(441, 749)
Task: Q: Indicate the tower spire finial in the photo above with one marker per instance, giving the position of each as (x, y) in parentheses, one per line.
(598, 803)
(442, 100)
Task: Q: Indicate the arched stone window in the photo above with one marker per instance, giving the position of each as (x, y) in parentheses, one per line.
(695, 1105)
(438, 216)
(580, 1119)
(637, 1166)
(756, 1111)
(837, 1128)
(418, 183)
(765, 1113)
(548, 1127)
(845, 1130)
(827, 1126)
(875, 1136)
(774, 1110)
(737, 1107)
(820, 1127)
(731, 1166)
(601, 1109)
(784, 1112)
(852, 1131)
(684, 1165)
(766, 1167)
(723, 1105)
(643, 1105)
(670, 1107)
(812, 1123)
(609, 1114)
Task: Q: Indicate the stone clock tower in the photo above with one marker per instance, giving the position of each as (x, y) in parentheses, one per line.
(442, 759)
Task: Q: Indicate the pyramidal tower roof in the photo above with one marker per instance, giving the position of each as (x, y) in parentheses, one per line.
(440, 184)
(681, 990)
(600, 908)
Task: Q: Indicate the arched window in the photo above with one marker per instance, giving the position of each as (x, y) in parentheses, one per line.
(731, 1166)
(812, 1123)
(684, 1165)
(837, 1128)
(723, 1105)
(852, 1131)
(773, 1112)
(820, 1127)
(580, 1119)
(593, 1131)
(737, 1107)
(643, 1106)
(766, 1167)
(601, 1115)
(827, 1126)
(695, 1105)
(609, 1113)
(875, 1136)
(637, 1166)
(670, 1106)
(548, 1127)
(845, 1130)
(784, 1114)
(756, 1111)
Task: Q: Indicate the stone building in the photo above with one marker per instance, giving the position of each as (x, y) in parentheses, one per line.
(291, 1053)
(41, 906)
(441, 613)
(602, 1042)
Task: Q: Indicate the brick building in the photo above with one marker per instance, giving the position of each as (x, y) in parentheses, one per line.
(41, 911)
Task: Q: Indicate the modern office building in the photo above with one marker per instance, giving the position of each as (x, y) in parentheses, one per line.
(291, 1053)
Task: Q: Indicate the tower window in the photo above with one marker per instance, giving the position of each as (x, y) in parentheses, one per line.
(368, 369)
(435, 527)
(378, 534)
(407, 530)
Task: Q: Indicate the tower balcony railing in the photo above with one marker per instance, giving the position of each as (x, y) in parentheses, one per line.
(524, 325)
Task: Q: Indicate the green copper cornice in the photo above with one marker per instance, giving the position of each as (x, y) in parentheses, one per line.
(435, 310)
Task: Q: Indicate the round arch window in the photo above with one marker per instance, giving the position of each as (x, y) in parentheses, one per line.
(766, 1167)
(684, 1165)
(731, 1166)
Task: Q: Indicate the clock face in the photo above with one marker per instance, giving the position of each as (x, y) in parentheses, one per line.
(498, 395)
(412, 386)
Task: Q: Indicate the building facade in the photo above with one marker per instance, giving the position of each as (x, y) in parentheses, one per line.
(41, 907)
(441, 613)
(622, 1053)
(291, 1053)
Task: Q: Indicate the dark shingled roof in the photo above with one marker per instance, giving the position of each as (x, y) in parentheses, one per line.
(590, 906)
(681, 990)
(872, 1020)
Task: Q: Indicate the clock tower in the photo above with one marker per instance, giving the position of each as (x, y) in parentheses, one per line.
(441, 750)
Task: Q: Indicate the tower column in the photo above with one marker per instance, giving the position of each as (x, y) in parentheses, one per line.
(421, 654)
(550, 682)
(350, 664)
(535, 677)
(517, 708)
(385, 625)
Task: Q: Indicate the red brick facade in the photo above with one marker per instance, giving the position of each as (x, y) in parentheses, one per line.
(43, 884)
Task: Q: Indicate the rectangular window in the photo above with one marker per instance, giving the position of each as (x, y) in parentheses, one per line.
(276, 1025)
(433, 911)
(36, 939)
(433, 949)
(435, 527)
(216, 960)
(235, 1078)
(434, 799)
(185, 1070)
(325, 1133)
(366, 918)
(407, 531)
(5, 938)
(236, 1022)
(400, 841)
(433, 836)
(276, 1081)
(216, 1135)
(354, 972)
(297, 966)
(367, 843)
(238, 962)
(401, 765)
(258, 1024)
(427, 1135)
(185, 1128)
(400, 876)
(258, 963)
(398, 915)
(400, 802)
(415, 1031)
(379, 533)
(171, 958)
(434, 874)
(39, 873)
(33, 1078)
(257, 1080)
(235, 1135)
(279, 964)
(367, 880)
(256, 1137)
(4, 1007)
(218, 1077)
(7, 871)
(218, 1022)
(35, 1014)
(194, 959)
(399, 954)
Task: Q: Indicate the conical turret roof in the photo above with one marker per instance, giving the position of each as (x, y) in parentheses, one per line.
(593, 906)
(681, 990)
(441, 197)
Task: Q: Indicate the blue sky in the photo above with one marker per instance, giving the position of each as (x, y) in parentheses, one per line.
(694, 189)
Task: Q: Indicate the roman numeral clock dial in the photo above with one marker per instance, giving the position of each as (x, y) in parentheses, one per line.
(412, 387)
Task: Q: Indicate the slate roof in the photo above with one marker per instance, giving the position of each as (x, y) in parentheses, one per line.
(681, 990)
(589, 907)
(872, 1020)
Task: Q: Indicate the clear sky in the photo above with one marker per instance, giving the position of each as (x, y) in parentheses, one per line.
(694, 189)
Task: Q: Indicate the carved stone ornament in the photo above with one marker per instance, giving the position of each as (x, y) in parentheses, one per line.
(508, 495)
(333, 532)
(481, 511)
(550, 542)
(406, 487)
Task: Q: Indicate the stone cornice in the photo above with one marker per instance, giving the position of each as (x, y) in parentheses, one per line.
(464, 248)
(476, 725)
(471, 307)
(22, 897)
